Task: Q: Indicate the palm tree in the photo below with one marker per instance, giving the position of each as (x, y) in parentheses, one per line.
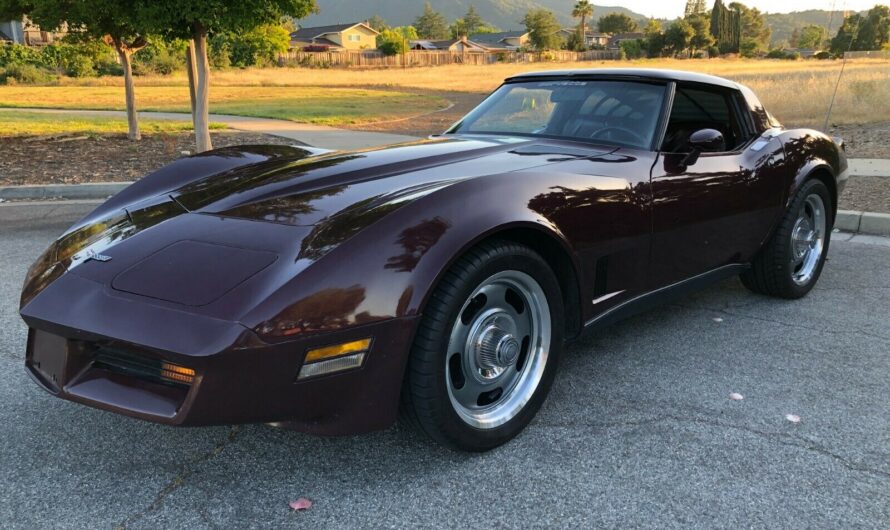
(583, 10)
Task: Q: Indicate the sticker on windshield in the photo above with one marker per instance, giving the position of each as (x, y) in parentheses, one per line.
(563, 83)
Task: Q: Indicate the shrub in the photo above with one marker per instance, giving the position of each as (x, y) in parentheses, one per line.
(632, 49)
(782, 54)
(160, 57)
(260, 46)
(11, 54)
(27, 74)
(219, 56)
(79, 66)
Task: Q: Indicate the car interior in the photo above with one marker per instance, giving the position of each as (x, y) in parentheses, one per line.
(695, 109)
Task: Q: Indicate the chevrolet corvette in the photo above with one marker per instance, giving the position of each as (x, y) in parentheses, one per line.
(329, 291)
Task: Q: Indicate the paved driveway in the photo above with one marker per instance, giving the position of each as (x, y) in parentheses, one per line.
(639, 431)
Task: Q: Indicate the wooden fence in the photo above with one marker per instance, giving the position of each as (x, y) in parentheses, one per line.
(880, 54)
(375, 59)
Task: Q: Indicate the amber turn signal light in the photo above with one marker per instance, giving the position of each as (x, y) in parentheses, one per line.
(328, 352)
(177, 374)
(336, 358)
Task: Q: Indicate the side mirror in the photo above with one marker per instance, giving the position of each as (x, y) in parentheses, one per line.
(703, 141)
(707, 140)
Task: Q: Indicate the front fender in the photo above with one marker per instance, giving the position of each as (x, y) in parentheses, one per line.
(387, 268)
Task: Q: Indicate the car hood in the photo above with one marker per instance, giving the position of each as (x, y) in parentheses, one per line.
(308, 191)
(317, 201)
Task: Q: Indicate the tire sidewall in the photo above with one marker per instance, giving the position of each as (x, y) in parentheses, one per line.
(523, 260)
(809, 188)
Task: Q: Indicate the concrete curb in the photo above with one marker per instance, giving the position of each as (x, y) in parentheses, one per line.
(38, 192)
(869, 167)
(863, 222)
(30, 213)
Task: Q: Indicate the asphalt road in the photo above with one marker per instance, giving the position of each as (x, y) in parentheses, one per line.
(639, 431)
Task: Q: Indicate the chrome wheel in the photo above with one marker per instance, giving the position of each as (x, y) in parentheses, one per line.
(498, 349)
(808, 239)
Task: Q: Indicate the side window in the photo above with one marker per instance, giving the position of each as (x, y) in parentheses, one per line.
(698, 108)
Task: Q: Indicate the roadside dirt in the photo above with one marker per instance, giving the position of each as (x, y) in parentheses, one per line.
(106, 158)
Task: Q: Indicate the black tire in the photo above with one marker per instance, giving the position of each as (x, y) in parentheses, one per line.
(772, 271)
(425, 395)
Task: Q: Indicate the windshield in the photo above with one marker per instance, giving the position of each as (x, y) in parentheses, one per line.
(623, 113)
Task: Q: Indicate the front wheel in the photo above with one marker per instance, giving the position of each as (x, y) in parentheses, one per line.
(791, 263)
(487, 348)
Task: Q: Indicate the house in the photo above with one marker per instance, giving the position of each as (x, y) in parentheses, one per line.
(340, 37)
(595, 38)
(23, 32)
(592, 39)
(616, 40)
(505, 40)
(461, 45)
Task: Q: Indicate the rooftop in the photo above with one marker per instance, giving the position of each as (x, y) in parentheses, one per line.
(308, 33)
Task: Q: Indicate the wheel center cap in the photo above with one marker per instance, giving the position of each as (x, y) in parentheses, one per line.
(496, 349)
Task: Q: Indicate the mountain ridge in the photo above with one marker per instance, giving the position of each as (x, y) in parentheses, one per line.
(505, 14)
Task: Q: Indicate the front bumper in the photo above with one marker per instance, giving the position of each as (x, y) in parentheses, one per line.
(238, 378)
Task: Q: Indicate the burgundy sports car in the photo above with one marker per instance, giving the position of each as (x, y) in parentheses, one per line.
(327, 291)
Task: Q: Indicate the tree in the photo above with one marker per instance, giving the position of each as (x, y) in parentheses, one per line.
(377, 23)
(470, 24)
(695, 7)
(846, 34)
(755, 32)
(582, 10)
(874, 33)
(726, 27)
(654, 38)
(811, 37)
(111, 21)
(196, 19)
(472, 21)
(615, 23)
(431, 24)
(701, 38)
(395, 41)
(678, 36)
(543, 28)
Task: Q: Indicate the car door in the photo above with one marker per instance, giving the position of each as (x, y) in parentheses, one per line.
(714, 209)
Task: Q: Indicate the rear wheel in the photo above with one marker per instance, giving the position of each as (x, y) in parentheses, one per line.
(791, 263)
(487, 348)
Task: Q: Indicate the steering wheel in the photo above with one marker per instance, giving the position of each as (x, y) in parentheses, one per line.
(637, 139)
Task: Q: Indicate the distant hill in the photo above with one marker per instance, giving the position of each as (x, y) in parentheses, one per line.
(505, 14)
(784, 24)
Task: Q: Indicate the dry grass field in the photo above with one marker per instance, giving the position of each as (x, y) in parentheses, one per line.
(797, 92)
(326, 106)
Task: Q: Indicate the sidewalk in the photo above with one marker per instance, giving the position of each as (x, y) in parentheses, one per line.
(314, 135)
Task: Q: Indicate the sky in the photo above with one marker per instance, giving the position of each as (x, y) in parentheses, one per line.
(674, 8)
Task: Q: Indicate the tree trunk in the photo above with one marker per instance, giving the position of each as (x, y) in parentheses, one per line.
(192, 73)
(202, 94)
(130, 90)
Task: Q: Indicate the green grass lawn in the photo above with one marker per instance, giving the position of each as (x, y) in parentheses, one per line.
(326, 106)
(35, 123)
